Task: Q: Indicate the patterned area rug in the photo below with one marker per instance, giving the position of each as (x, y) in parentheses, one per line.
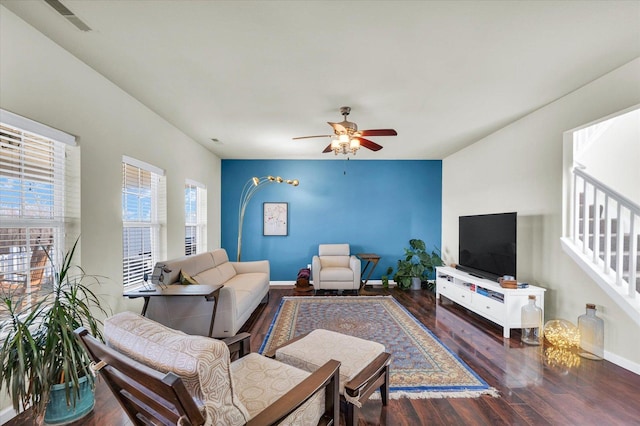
(421, 366)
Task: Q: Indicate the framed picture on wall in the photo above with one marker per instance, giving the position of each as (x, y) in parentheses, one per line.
(275, 219)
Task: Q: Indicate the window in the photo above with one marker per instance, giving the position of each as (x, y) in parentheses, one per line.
(39, 203)
(143, 219)
(195, 214)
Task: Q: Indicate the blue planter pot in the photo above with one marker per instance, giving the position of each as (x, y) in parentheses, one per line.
(58, 413)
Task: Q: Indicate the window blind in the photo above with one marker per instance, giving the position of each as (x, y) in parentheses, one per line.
(202, 219)
(143, 216)
(39, 204)
(195, 218)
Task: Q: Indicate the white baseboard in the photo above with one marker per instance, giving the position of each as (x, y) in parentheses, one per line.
(375, 283)
(622, 362)
(281, 283)
(7, 414)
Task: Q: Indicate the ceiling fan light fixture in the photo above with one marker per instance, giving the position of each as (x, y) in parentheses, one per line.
(347, 139)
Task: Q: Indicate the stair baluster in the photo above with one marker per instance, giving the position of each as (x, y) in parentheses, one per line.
(604, 233)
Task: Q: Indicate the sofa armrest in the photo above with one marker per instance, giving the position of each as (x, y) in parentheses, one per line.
(354, 264)
(239, 344)
(325, 379)
(252, 266)
(360, 381)
(272, 352)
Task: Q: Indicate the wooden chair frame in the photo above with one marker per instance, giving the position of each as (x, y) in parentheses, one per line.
(151, 397)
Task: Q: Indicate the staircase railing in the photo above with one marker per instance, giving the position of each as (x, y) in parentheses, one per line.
(606, 227)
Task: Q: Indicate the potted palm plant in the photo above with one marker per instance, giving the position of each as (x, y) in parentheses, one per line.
(416, 266)
(42, 365)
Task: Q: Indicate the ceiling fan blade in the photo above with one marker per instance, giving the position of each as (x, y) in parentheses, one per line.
(339, 128)
(309, 137)
(327, 149)
(369, 144)
(379, 132)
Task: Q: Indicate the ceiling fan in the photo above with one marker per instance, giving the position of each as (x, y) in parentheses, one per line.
(347, 137)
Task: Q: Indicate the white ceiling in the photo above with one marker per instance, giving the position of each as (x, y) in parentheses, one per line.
(254, 74)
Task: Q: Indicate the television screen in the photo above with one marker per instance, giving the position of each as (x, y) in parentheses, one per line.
(487, 245)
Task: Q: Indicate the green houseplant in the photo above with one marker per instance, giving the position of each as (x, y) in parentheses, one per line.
(385, 278)
(40, 352)
(417, 265)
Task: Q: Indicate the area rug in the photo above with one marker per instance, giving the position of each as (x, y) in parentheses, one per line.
(421, 366)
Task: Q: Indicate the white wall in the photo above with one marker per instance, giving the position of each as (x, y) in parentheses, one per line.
(614, 157)
(40, 80)
(519, 168)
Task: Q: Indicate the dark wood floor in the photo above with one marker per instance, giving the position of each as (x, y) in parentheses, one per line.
(536, 386)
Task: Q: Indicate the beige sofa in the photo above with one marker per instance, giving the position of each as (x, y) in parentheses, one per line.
(246, 284)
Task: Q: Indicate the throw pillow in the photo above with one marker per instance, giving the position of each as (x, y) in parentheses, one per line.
(186, 279)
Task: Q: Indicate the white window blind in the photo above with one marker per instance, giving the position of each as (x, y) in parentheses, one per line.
(195, 202)
(39, 204)
(143, 216)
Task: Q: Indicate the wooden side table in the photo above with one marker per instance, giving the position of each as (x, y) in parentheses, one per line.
(209, 292)
(370, 259)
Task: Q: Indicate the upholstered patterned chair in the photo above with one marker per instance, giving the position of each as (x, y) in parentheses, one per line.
(334, 268)
(253, 389)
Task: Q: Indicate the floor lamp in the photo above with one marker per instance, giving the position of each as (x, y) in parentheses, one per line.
(250, 188)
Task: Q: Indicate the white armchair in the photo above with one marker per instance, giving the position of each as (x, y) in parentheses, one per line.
(334, 268)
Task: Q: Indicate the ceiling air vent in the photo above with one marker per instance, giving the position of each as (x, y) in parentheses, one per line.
(68, 15)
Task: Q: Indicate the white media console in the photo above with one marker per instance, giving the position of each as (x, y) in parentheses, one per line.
(485, 297)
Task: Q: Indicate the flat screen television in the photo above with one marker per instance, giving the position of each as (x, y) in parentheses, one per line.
(487, 245)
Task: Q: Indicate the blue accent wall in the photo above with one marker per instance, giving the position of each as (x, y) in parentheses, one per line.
(375, 206)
